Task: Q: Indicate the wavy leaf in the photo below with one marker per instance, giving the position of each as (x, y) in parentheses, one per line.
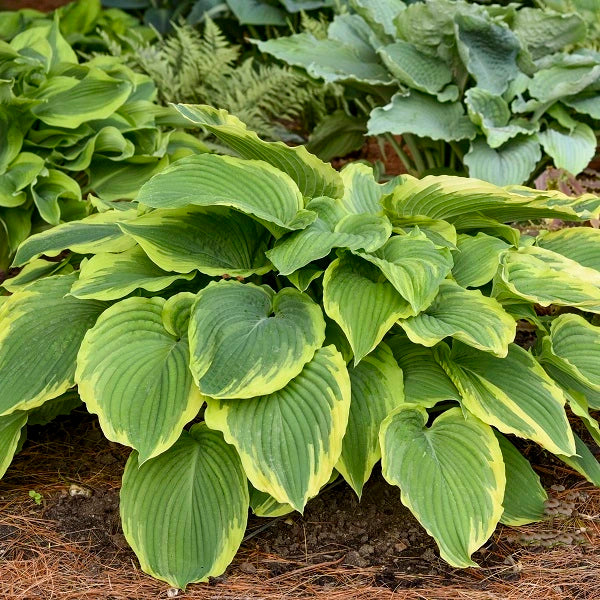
(476, 259)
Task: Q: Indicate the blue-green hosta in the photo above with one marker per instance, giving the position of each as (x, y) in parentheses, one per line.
(311, 322)
(69, 126)
(498, 89)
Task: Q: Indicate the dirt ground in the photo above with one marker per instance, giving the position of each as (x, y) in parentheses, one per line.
(70, 545)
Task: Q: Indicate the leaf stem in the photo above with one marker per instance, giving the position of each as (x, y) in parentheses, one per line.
(415, 152)
(401, 154)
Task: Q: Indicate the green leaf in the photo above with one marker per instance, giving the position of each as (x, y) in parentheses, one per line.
(555, 83)
(489, 51)
(453, 312)
(413, 265)
(336, 135)
(69, 102)
(247, 341)
(422, 115)
(581, 244)
(382, 13)
(545, 277)
(302, 278)
(49, 189)
(524, 498)
(31, 272)
(184, 513)
(312, 176)
(360, 300)
(332, 229)
(10, 434)
(362, 193)
(215, 241)
(477, 258)
(377, 389)
(451, 476)
(40, 333)
(132, 371)
(326, 59)
(570, 150)
(289, 441)
(514, 394)
(251, 186)
(511, 163)
(415, 69)
(255, 12)
(425, 382)
(264, 505)
(11, 139)
(583, 462)
(50, 410)
(94, 234)
(108, 276)
(586, 105)
(21, 172)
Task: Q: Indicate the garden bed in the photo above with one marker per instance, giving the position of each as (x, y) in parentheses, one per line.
(71, 546)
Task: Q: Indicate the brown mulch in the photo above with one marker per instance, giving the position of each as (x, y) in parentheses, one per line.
(43, 5)
(71, 547)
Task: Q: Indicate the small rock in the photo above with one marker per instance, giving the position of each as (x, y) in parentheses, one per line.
(248, 568)
(365, 550)
(400, 547)
(77, 490)
(173, 592)
(354, 559)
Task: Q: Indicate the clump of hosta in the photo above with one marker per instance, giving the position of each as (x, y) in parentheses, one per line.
(311, 322)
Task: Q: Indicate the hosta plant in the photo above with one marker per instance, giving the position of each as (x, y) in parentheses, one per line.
(309, 323)
(69, 126)
(494, 90)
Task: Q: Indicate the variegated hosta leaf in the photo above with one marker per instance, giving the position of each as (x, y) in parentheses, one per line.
(108, 276)
(10, 434)
(584, 462)
(326, 59)
(332, 229)
(545, 277)
(184, 512)
(451, 476)
(579, 406)
(422, 115)
(250, 186)
(132, 371)
(452, 198)
(21, 172)
(302, 278)
(50, 189)
(570, 150)
(362, 193)
(474, 224)
(215, 240)
(313, 177)
(415, 69)
(511, 163)
(425, 382)
(47, 412)
(94, 234)
(466, 315)
(34, 270)
(290, 440)
(514, 394)
(264, 505)
(441, 233)
(41, 329)
(524, 497)
(246, 340)
(377, 389)
(362, 302)
(581, 244)
(477, 258)
(413, 265)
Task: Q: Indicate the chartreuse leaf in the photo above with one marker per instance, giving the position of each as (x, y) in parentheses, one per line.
(331, 229)
(36, 269)
(451, 476)
(184, 512)
(69, 102)
(302, 278)
(514, 394)
(454, 198)
(583, 461)
(108, 276)
(20, 173)
(414, 265)
(49, 189)
(132, 371)
(10, 434)
(264, 505)
(246, 340)
(579, 406)
(94, 234)
(377, 389)
(290, 440)
(425, 382)
(214, 240)
(524, 497)
(476, 259)
(361, 191)
(581, 244)
(451, 315)
(545, 277)
(251, 186)
(422, 115)
(41, 329)
(362, 302)
(570, 150)
(511, 163)
(312, 176)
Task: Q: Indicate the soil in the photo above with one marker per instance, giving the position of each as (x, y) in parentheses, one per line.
(43, 5)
